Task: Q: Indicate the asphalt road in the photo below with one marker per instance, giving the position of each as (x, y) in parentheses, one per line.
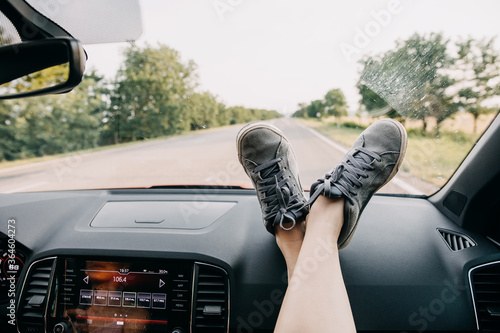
(202, 158)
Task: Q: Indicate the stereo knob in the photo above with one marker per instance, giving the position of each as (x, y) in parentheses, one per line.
(178, 330)
(62, 327)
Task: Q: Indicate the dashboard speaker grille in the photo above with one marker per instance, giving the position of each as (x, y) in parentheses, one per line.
(34, 296)
(211, 299)
(455, 240)
(485, 284)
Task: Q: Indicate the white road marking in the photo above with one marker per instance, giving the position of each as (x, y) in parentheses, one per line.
(27, 187)
(405, 186)
(335, 145)
(26, 166)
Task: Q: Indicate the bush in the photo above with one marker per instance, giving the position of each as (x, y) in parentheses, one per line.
(352, 124)
(455, 136)
(459, 137)
(415, 131)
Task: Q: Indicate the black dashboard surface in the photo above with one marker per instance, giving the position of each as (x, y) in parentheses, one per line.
(399, 272)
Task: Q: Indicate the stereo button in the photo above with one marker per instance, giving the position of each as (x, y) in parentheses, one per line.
(180, 295)
(114, 298)
(180, 305)
(143, 300)
(67, 300)
(101, 297)
(159, 301)
(69, 279)
(86, 297)
(183, 285)
(70, 270)
(68, 289)
(129, 299)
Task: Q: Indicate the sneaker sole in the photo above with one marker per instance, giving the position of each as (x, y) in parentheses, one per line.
(402, 149)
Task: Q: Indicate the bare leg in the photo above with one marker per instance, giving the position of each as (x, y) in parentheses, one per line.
(290, 242)
(316, 299)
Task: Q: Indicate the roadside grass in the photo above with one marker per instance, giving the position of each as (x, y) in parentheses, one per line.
(432, 159)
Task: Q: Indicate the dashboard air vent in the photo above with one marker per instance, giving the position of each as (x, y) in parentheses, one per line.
(455, 240)
(485, 285)
(34, 296)
(211, 300)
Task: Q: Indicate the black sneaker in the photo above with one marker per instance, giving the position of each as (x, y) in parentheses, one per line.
(269, 161)
(372, 161)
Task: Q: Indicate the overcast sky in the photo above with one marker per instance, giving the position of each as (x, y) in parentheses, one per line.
(276, 54)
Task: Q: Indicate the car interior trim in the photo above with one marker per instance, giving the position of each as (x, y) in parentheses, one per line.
(471, 270)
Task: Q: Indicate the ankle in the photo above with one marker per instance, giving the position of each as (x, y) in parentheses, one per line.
(287, 238)
(290, 242)
(326, 216)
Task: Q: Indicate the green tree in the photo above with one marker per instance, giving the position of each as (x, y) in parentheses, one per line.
(335, 103)
(5, 38)
(332, 104)
(316, 109)
(10, 146)
(414, 78)
(223, 116)
(264, 114)
(54, 124)
(374, 104)
(153, 95)
(203, 110)
(152, 88)
(238, 115)
(81, 113)
(479, 68)
(301, 112)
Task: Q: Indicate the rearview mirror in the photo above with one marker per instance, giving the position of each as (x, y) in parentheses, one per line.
(40, 67)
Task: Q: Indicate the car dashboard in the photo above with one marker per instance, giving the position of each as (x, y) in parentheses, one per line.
(200, 260)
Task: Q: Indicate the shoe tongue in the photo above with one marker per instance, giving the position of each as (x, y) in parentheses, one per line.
(335, 192)
(361, 156)
(261, 146)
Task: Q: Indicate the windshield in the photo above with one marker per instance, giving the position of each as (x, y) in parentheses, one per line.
(165, 110)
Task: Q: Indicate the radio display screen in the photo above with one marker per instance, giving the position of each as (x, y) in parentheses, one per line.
(123, 296)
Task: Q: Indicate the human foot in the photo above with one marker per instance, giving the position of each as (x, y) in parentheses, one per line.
(290, 243)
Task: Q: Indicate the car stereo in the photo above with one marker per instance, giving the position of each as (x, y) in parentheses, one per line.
(121, 296)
